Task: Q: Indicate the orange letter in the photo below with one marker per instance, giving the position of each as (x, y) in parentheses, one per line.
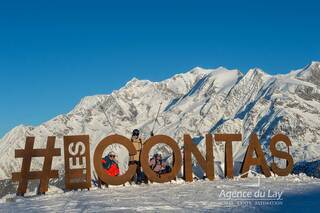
(117, 180)
(228, 138)
(280, 154)
(145, 158)
(254, 146)
(77, 162)
(206, 164)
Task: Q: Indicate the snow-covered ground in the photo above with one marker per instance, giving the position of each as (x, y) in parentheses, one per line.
(293, 193)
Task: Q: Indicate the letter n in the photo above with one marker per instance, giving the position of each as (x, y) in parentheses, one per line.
(206, 164)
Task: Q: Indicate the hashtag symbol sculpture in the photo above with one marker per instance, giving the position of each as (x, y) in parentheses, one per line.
(45, 175)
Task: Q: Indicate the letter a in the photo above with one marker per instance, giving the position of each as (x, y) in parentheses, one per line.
(249, 160)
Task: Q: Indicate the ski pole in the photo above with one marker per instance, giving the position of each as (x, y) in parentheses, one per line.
(155, 120)
(105, 114)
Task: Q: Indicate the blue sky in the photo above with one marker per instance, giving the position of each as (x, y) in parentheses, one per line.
(52, 54)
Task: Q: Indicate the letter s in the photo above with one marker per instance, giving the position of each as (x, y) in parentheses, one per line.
(281, 154)
(75, 151)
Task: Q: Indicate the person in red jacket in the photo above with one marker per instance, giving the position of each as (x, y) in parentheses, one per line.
(110, 165)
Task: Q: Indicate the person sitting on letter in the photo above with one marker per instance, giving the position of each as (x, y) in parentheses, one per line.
(110, 164)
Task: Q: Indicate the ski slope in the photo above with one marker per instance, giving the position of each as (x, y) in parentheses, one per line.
(298, 193)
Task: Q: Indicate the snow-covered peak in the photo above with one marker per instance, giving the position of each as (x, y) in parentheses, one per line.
(223, 71)
(257, 72)
(198, 70)
(16, 130)
(181, 83)
(135, 82)
(223, 79)
(310, 73)
(315, 64)
(89, 102)
(207, 71)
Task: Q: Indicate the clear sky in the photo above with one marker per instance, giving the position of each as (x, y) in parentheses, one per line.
(52, 54)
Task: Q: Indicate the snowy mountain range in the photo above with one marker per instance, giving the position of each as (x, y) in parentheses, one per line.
(196, 102)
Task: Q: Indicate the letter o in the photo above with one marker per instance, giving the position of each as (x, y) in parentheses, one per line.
(118, 180)
(145, 158)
